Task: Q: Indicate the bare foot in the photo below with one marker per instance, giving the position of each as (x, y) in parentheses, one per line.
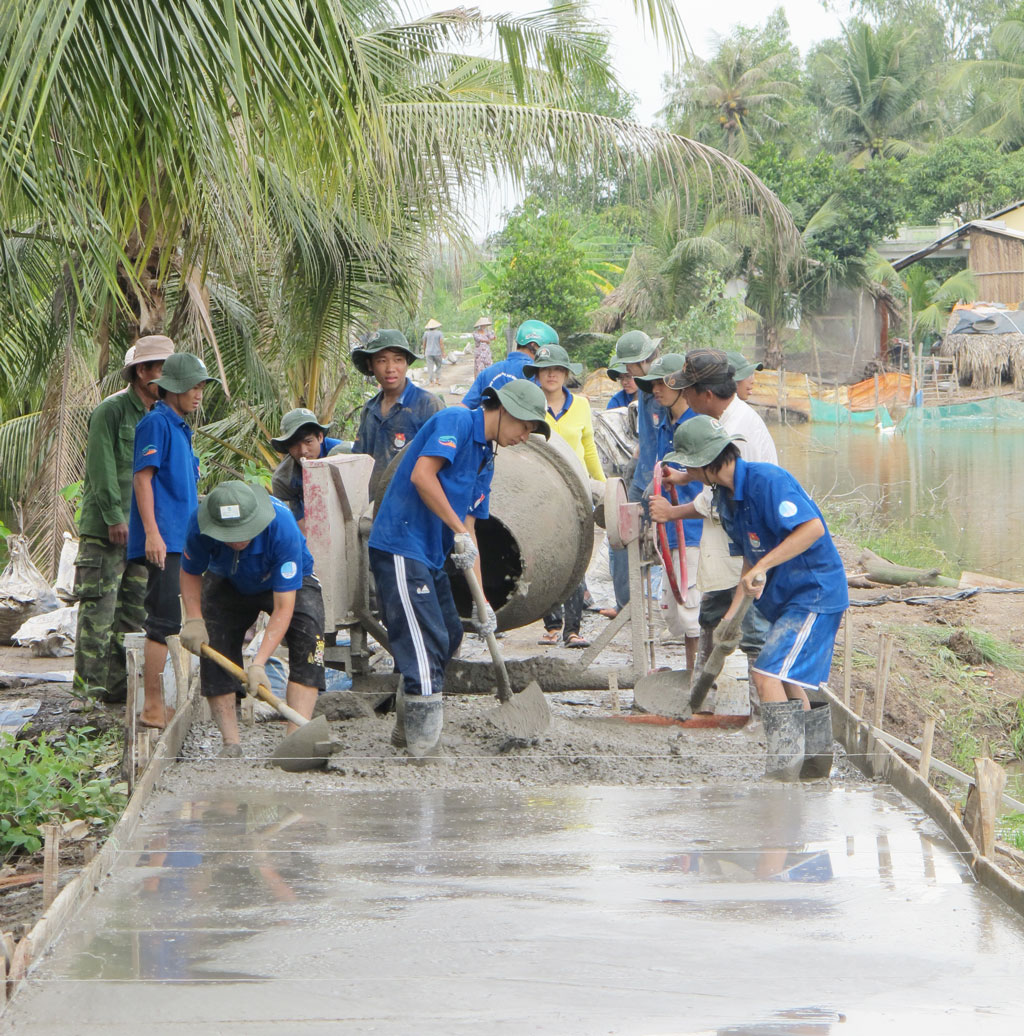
(154, 719)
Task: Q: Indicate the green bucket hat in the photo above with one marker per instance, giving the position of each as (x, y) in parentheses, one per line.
(633, 347)
(292, 423)
(551, 356)
(660, 370)
(378, 341)
(183, 371)
(742, 366)
(523, 400)
(699, 441)
(235, 511)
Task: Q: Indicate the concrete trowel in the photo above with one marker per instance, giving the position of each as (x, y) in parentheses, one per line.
(671, 694)
(304, 749)
(524, 715)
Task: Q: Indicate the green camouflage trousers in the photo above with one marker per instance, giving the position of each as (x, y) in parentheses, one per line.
(110, 594)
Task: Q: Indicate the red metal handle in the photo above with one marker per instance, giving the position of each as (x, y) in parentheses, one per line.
(677, 586)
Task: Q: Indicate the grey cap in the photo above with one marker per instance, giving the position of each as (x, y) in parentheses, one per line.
(525, 401)
(292, 424)
(698, 441)
(182, 371)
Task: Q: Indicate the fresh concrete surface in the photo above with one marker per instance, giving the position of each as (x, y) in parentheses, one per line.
(744, 909)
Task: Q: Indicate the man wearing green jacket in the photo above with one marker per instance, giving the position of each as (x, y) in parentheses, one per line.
(110, 591)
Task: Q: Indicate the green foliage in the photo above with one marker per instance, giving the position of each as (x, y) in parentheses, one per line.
(53, 782)
(541, 274)
(710, 322)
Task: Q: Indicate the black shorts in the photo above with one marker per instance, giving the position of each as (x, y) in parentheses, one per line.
(229, 614)
(163, 606)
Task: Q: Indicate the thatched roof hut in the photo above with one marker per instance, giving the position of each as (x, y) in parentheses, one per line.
(987, 345)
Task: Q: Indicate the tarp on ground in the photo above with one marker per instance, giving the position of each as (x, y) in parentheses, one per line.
(982, 414)
(888, 389)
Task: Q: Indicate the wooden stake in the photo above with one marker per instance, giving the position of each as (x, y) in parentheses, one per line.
(847, 658)
(925, 765)
(51, 863)
(882, 676)
(613, 687)
(983, 801)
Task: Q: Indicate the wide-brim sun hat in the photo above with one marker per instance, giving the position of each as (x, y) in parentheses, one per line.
(432, 324)
(484, 322)
(525, 401)
(698, 441)
(662, 368)
(551, 356)
(703, 366)
(235, 511)
(147, 349)
(182, 371)
(742, 366)
(292, 423)
(633, 347)
(388, 338)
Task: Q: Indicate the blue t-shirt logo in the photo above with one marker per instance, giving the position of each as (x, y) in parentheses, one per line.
(448, 441)
(288, 570)
(787, 508)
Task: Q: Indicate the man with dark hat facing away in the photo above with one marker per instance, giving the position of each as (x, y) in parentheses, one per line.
(390, 420)
(109, 588)
(441, 488)
(794, 573)
(302, 437)
(244, 554)
(164, 484)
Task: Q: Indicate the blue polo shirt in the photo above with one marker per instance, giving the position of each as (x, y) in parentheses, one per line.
(404, 525)
(621, 398)
(498, 374)
(277, 559)
(650, 417)
(163, 440)
(383, 436)
(767, 505)
(692, 527)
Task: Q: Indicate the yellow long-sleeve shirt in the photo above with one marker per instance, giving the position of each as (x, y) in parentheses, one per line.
(576, 426)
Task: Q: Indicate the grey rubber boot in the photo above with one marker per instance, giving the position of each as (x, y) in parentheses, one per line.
(704, 646)
(784, 733)
(424, 718)
(398, 730)
(817, 742)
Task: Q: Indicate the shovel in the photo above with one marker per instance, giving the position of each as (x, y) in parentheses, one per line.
(671, 694)
(526, 714)
(304, 749)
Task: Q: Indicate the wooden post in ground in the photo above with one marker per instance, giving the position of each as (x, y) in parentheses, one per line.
(847, 658)
(882, 676)
(613, 688)
(983, 802)
(51, 863)
(924, 766)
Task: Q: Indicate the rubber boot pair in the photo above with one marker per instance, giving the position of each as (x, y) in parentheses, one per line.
(418, 723)
(799, 741)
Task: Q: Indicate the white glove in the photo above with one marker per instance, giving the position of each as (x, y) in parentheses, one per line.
(464, 552)
(488, 624)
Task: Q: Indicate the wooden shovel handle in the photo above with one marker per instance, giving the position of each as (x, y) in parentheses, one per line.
(504, 685)
(263, 692)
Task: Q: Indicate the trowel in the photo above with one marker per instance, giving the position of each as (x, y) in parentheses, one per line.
(671, 694)
(304, 749)
(524, 715)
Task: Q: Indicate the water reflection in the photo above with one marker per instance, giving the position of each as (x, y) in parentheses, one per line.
(963, 489)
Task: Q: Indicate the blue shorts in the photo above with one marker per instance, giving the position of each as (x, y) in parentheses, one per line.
(799, 648)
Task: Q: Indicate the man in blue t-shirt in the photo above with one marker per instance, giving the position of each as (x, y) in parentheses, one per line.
(792, 570)
(441, 488)
(244, 554)
(530, 335)
(302, 437)
(164, 494)
(391, 419)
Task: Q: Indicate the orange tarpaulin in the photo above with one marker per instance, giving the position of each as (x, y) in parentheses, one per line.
(881, 390)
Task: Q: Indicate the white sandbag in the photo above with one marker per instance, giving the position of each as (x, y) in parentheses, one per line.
(23, 590)
(65, 584)
(49, 635)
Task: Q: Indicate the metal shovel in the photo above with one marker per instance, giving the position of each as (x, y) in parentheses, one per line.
(526, 714)
(304, 749)
(672, 694)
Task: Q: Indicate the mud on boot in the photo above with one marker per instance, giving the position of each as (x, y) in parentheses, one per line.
(398, 730)
(784, 734)
(817, 742)
(423, 720)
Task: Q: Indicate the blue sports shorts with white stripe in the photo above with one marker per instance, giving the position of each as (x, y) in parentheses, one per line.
(798, 648)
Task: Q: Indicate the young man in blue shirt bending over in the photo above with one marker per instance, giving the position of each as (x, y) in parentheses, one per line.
(244, 555)
(441, 488)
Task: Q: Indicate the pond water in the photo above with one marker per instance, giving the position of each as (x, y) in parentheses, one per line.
(963, 490)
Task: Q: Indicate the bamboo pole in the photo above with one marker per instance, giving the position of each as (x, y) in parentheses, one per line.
(51, 863)
(924, 766)
(847, 658)
(882, 676)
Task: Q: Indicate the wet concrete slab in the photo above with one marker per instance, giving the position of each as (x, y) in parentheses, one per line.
(747, 909)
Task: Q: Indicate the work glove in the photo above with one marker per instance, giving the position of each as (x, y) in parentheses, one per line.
(193, 635)
(464, 552)
(255, 674)
(489, 622)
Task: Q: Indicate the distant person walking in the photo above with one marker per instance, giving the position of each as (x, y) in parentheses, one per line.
(483, 335)
(433, 351)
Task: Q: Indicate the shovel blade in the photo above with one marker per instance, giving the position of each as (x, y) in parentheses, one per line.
(664, 694)
(526, 715)
(304, 749)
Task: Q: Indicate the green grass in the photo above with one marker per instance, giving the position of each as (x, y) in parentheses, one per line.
(996, 651)
(1011, 829)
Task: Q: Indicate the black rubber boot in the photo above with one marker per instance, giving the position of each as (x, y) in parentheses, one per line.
(817, 742)
(424, 719)
(398, 730)
(784, 733)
